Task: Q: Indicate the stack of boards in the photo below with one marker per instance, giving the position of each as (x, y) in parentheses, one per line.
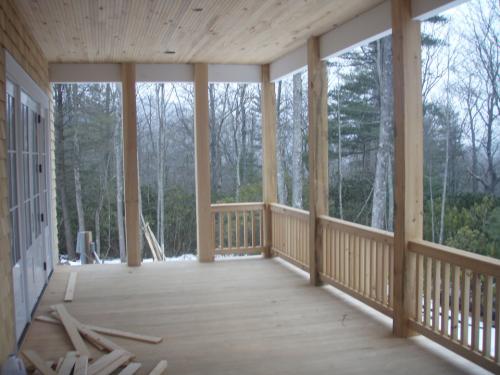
(114, 360)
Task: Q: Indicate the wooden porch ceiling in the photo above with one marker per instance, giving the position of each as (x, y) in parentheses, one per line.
(210, 31)
(252, 316)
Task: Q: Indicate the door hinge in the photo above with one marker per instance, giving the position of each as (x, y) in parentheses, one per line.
(41, 217)
(45, 266)
(39, 118)
(40, 168)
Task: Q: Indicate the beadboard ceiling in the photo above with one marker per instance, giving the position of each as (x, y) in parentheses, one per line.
(181, 31)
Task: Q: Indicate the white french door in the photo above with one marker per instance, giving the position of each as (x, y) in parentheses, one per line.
(29, 201)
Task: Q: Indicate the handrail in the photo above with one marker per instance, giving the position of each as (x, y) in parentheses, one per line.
(368, 232)
(243, 206)
(282, 209)
(465, 259)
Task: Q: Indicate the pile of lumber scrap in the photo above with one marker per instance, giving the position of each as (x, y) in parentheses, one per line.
(80, 361)
(154, 246)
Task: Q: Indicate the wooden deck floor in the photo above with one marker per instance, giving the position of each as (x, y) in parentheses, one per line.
(252, 316)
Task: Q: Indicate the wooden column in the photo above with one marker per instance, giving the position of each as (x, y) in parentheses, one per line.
(408, 142)
(318, 153)
(130, 170)
(269, 187)
(202, 165)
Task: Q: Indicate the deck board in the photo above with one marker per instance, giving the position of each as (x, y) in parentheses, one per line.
(250, 316)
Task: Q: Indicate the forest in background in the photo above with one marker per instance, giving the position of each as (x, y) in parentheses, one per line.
(460, 66)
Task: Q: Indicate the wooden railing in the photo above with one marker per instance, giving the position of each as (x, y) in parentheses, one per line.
(237, 228)
(457, 294)
(358, 260)
(458, 301)
(290, 234)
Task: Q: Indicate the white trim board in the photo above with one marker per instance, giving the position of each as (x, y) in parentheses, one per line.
(362, 29)
(16, 73)
(79, 73)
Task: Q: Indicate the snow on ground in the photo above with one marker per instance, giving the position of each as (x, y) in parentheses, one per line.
(182, 258)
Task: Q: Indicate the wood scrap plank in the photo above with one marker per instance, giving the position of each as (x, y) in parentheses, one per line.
(112, 359)
(123, 360)
(38, 362)
(125, 334)
(100, 342)
(108, 331)
(67, 364)
(160, 368)
(81, 365)
(70, 287)
(47, 319)
(59, 363)
(72, 331)
(131, 369)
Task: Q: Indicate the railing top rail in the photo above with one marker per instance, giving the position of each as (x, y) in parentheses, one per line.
(281, 208)
(243, 206)
(475, 262)
(372, 233)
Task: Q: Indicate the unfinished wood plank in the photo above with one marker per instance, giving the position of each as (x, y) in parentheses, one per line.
(38, 362)
(67, 364)
(81, 365)
(102, 363)
(125, 334)
(130, 168)
(70, 288)
(318, 152)
(160, 368)
(131, 369)
(408, 157)
(108, 331)
(202, 163)
(72, 331)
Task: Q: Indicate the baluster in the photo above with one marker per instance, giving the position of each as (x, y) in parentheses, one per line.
(497, 320)
(238, 246)
(337, 255)
(221, 231)
(455, 303)
(436, 303)
(465, 307)
(391, 274)
(420, 286)
(446, 300)
(229, 231)
(373, 271)
(385, 284)
(427, 292)
(487, 320)
(380, 271)
(245, 230)
(476, 310)
(362, 271)
(253, 228)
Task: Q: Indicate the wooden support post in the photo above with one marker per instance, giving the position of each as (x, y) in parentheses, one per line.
(318, 153)
(131, 174)
(269, 187)
(206, 251)
(408, 142)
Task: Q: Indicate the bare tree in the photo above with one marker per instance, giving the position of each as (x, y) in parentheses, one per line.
(297, 141)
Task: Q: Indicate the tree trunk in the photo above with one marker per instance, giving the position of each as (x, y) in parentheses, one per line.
(297, 142)
(78, 186)
(61, 171)
(445, 180)
(379, 205)
(243, 159)
(160, 206)
(280, 152)
(119, 190)
(339, 147)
